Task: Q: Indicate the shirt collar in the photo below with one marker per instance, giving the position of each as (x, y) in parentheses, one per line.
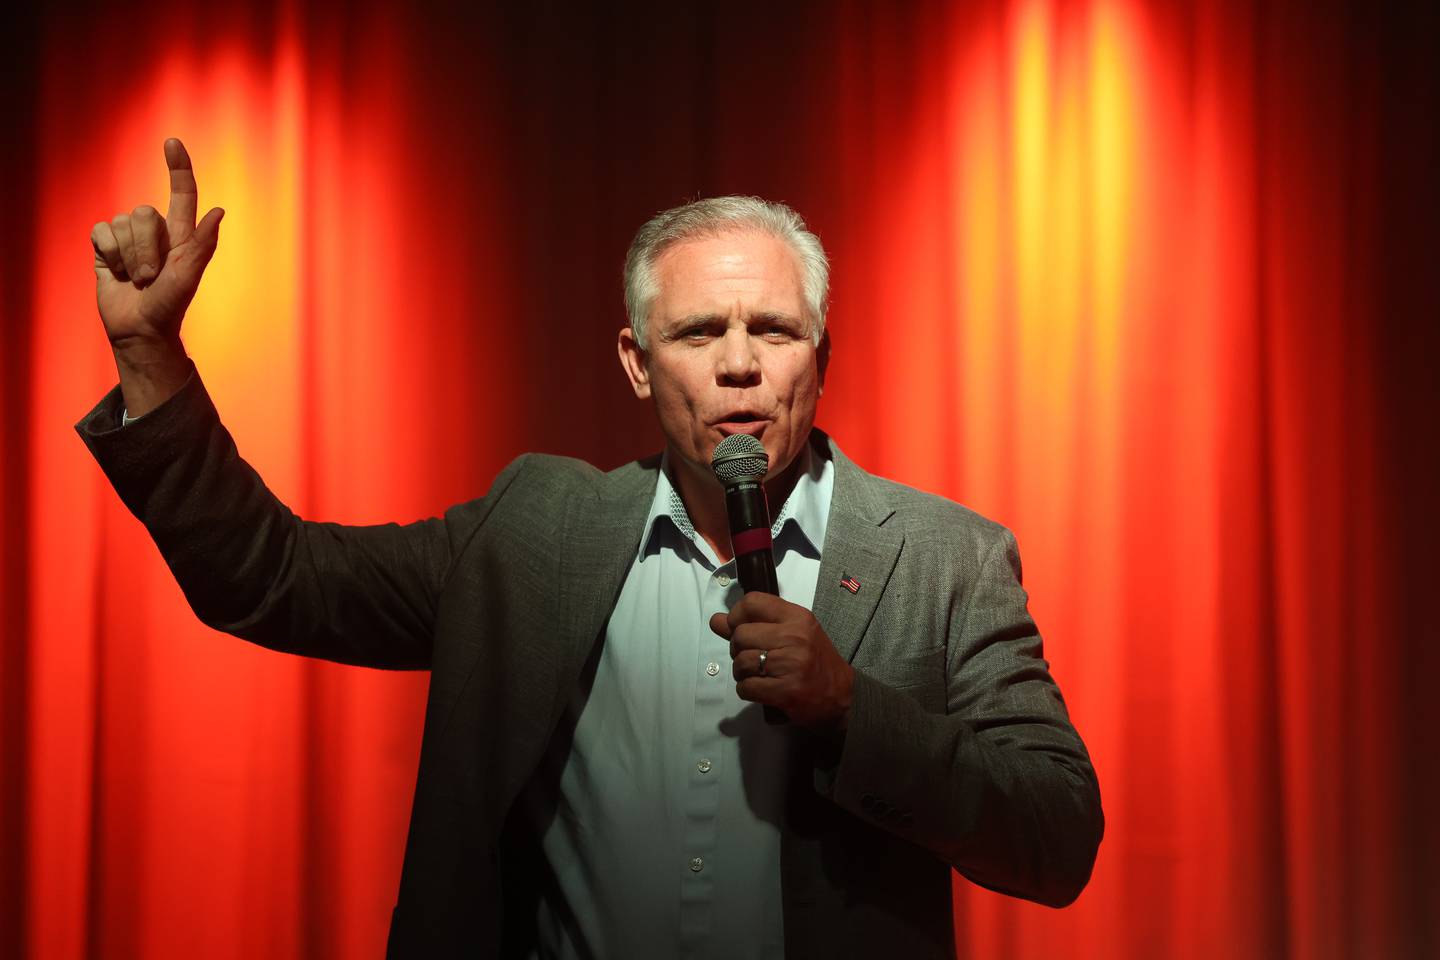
(802, 516)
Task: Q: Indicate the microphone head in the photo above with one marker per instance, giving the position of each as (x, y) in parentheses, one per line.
(738, 458)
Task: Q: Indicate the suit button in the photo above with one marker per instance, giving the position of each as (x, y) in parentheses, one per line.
(867, 801)
(906, 820)
(880, 809)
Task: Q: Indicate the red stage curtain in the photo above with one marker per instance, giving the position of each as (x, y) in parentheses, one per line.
(1151, 285)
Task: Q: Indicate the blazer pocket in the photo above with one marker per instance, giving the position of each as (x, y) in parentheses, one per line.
(909, 670)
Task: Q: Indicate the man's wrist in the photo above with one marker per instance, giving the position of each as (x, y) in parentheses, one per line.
(151, 372)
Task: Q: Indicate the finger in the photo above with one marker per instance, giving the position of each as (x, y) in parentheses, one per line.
(184, 198)
(747, 665)
(720, 624)
(753, 636)
(761, 690)
(120, 224)
(757, 607)
(107, 251)
(147, 230)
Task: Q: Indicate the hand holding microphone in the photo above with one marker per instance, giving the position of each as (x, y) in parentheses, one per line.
(740, 464)
(781, 655)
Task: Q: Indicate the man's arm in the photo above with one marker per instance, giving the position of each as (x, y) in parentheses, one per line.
(1001, 786)
(249, 566)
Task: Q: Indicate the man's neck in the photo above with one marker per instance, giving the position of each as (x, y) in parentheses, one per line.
(704, 499)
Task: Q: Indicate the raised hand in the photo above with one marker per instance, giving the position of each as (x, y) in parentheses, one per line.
(148, 267)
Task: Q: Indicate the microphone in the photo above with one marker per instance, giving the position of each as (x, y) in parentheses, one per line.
(740, 463)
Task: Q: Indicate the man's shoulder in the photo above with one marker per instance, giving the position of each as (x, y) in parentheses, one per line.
(923, 510)
(934, 522)
(550, 477)
(923, 517)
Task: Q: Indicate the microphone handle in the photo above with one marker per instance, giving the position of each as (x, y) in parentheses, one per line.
(757, 572)
(756, 569)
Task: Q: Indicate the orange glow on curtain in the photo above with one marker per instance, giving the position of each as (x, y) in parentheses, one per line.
(1141, 373)
(268, 794)
(1045, 110)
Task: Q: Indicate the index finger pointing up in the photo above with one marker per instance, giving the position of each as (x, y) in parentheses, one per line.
(183, 195)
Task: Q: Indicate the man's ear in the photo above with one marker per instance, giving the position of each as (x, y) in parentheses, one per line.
(822, 360)
(633, 359)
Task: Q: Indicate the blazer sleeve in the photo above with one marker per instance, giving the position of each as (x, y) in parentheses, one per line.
(248, 566)
(1000, 786)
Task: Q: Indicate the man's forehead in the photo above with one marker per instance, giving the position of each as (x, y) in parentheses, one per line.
(730, 264)
(728, 247)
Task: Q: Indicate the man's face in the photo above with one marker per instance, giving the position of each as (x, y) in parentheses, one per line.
(729, 348)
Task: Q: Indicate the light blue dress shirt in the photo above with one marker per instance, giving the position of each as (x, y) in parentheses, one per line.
(664, 837)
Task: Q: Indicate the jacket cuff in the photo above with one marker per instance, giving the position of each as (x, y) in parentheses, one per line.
(863, 782)
(134, 457)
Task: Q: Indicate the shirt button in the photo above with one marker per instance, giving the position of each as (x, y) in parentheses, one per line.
(722, 579)
(712, 668)
(696, 864)
(703, 766)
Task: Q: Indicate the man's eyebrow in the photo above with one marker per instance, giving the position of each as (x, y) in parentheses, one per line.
(672, 330)
(773, 317)
(699, 319)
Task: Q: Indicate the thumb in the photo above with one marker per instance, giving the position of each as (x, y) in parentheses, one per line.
(192, 257)
(207, 231)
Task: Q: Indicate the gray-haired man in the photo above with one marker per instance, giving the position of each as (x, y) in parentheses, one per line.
(596, 777)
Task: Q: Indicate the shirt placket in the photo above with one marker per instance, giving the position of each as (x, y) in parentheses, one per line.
(706, 765)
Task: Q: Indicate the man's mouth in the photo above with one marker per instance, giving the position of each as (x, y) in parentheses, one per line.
(742, 421)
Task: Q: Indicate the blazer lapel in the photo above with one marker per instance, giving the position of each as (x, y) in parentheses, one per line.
(602, 536)
(858, 549)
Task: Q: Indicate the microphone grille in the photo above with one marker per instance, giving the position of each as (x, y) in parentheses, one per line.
(739, 457)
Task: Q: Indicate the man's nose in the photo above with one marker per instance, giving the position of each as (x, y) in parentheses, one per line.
(738, 362)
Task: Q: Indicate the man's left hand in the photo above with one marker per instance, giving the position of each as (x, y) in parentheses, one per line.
(804, 675)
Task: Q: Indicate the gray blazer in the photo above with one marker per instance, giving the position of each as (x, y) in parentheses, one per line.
(959, 751)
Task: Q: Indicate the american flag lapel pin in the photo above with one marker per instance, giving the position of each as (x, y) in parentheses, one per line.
(850, 583)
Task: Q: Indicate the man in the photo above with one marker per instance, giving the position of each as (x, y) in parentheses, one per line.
(591, 781)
